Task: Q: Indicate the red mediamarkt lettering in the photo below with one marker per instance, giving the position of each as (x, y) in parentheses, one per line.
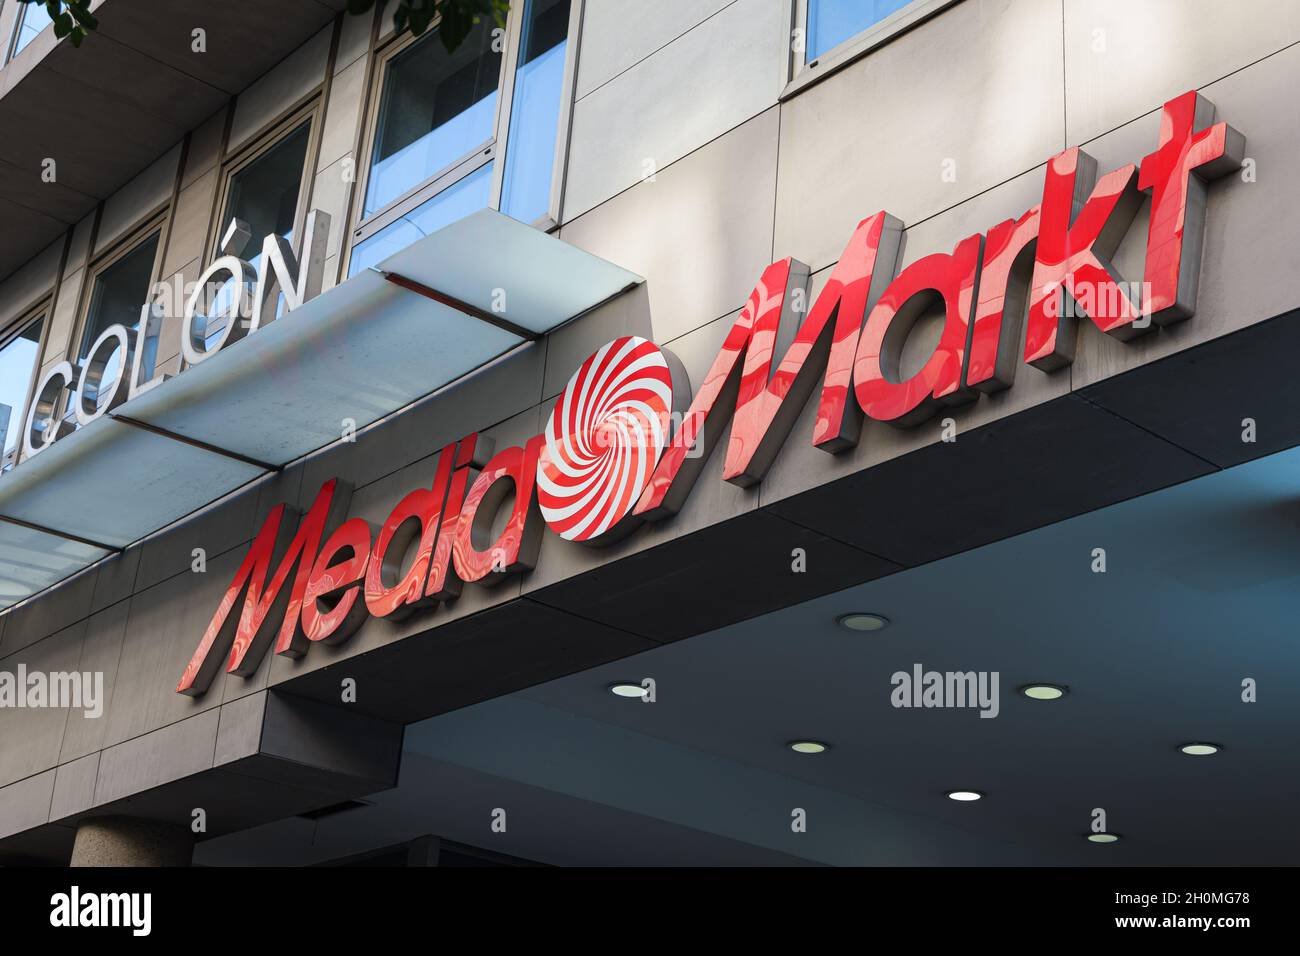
(1050, 265)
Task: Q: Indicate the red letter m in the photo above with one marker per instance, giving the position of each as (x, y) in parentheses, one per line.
(245, 638)
(767, 404)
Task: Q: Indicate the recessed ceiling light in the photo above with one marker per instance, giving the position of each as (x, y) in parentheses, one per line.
(1103, 837)
(624, 689)
(1043, 691)
(862, 621)
(1199, 749)
(807, 746)
(965, 796)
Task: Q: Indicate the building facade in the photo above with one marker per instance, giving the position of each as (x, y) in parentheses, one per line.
(1044, 248)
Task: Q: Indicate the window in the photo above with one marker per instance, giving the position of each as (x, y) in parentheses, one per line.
(120, 291)
(831, 22)
(436, 109)
(463, 197)
(18, 358)
(535, 110)
(264, 191)
(440, 148)
(32, 19)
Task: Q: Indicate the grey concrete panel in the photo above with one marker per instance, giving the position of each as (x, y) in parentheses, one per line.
(292, 79)
(153, 759)
(618, 34)
(79, 246)
(115, 578)
(343, 113)
(125, 141)
(231, 800)
(164, 626)
(27, 230)
(43, 615)
(978, 87)
(32, 735)
(127, 95)
(100, 652)
(62, 203)
(31, 282)
(204, 152)
(1200, 398)
(330, 193)
(63, 320)
(708, 81)
(1125, 59)
(700, 232)
(282, 487)
(148, 191)
(144, 86)
(1247, 265)
(216, 529)
(354, 40)
(239, 733)
(1051, 462)
(568, 346)
(263, 34)
(26, 803)
(336, 740)
(74, 787)
(190, 221)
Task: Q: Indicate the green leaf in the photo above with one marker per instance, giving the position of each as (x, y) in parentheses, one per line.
(421, 15)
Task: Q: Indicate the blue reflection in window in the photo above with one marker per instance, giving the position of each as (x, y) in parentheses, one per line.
(535, 113)
(35, 18)
(436, 108)
(457, 201)
(17, 368)
(831, 22)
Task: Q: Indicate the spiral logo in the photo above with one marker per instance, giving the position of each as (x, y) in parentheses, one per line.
(604, 438)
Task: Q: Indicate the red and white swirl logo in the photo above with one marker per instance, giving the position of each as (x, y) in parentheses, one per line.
(604, 438)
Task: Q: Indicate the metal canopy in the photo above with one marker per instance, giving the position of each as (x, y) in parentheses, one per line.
(31, 561)
(112, 484)
(427, 316)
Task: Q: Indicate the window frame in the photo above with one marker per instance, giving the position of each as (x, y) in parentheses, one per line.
(237, 160)
(11, 47)
(43, 312)
(803, 72)
(156, 224)
(491, 150)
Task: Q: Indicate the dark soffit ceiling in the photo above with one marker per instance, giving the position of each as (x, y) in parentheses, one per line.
(108, 109)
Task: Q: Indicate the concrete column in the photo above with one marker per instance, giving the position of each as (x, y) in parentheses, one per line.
(122, 841)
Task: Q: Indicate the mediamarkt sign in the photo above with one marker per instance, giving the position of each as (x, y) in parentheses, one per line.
(609, 458)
